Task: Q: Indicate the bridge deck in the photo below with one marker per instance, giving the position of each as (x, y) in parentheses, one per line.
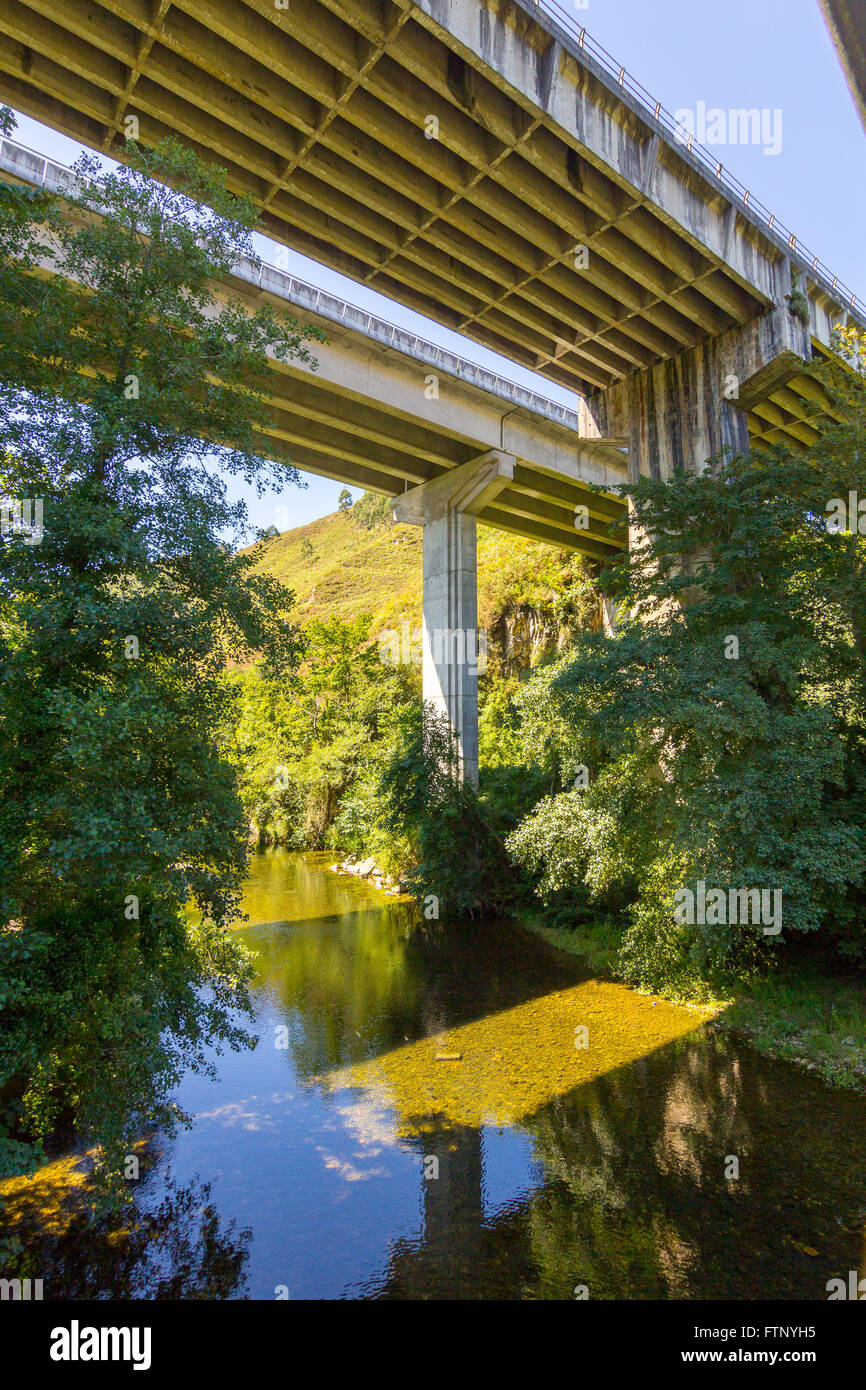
(365, 417)
(322, 112)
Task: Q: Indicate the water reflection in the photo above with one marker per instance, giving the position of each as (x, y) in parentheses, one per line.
(362, 1166)
(178, 1247)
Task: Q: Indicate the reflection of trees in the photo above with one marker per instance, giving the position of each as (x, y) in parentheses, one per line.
(634, 1202)
(639, 1205)
(334, 980)
(179, 1249)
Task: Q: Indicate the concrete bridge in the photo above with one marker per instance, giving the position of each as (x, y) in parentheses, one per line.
(483, 162)
(451, 442)
(846, 20)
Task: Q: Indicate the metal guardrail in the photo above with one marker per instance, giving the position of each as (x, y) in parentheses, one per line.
(318, 301)
(329, 306)
(656, 114)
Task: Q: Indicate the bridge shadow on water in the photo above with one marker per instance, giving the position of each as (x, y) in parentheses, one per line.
(434, 1123)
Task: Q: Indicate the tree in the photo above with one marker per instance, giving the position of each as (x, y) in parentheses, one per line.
(126, 391)
(372, 511)
(720, 737)
(344, 503)
(307, 551)
(309, 742)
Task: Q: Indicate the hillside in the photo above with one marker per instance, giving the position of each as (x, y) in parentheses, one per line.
(529, 594)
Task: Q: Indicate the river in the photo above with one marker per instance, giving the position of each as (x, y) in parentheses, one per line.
(440, 1111)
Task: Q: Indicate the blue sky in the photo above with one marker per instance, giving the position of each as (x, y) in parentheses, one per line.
(769, 54)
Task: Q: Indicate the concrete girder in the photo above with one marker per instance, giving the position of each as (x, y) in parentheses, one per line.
(351, 91)
(696, 406)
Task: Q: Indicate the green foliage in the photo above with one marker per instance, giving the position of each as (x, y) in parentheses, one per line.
(741, 771)
(337, 756)
(798, 300)
(126, 390)
(458, 856)
(372, 510)
(344, 503)
(307, 742)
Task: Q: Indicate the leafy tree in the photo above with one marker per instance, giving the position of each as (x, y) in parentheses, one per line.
(721, 732)
(125, 384)
(457, 853)
(372, 510)
(307, 550)
(344, 503)
(308, 742)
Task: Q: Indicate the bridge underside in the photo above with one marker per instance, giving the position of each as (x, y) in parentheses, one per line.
(365, 418)
(846, 20)
(794, 414)
(322, 110)
(319, 112)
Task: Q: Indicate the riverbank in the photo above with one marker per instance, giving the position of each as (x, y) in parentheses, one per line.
(370, 872)
(798, 1014)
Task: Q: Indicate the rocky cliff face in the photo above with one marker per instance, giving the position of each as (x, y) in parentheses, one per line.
(524, 635)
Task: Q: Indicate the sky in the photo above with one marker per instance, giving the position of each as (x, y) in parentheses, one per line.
(774, 55)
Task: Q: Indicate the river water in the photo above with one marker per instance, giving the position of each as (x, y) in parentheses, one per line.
(437, 1111)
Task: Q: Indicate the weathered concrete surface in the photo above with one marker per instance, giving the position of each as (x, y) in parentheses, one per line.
(453, 154)
(846, 20)
(447, 508)
(696, 406)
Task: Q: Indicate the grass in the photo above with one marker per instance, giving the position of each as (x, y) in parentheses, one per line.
(353, 571)
(596, 943)
(802, 1015)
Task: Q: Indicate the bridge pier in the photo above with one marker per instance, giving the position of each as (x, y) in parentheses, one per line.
(692, 407)
(447, 507)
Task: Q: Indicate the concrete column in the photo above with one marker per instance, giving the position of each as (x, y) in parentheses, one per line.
(693, 407)
(446, 507)
(450, 604)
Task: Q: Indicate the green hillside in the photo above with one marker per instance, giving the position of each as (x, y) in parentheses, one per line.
(529, 594)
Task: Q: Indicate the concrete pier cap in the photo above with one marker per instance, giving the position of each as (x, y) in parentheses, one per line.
(453, 651)
(693, 407)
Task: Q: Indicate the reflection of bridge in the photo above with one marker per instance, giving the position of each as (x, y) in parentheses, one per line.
(481, 161)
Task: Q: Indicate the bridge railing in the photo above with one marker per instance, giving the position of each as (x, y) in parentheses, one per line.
(330, 306)
(666, 123)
